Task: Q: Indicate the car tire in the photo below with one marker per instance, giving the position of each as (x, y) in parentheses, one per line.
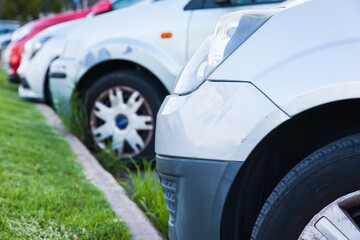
(121, 92)
(305, 195)
(47, 93)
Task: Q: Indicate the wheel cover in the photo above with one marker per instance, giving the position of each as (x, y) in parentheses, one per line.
(339, 220)
(121, 119)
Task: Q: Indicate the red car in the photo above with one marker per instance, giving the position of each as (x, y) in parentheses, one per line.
(28, 31)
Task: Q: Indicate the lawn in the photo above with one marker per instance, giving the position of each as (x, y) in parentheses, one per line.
(43, 191)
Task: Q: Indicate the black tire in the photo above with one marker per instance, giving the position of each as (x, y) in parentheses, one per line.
(47, 93)
(143, 82)
(318, 180)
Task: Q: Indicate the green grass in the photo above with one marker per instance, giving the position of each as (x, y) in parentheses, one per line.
(146, 191)
(74, 116)
(43, 191)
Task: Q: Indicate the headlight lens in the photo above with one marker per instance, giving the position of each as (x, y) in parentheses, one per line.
(33, 46)
(231, 32)
(21, 33)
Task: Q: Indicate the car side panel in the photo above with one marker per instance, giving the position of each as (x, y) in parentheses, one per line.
(326, 75)
(161, 64)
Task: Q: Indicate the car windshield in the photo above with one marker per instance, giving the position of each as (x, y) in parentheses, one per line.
(124, 3)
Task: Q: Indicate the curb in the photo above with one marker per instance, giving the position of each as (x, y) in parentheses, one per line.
(140, 227)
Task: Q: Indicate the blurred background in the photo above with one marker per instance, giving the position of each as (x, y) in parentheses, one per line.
(26, 10)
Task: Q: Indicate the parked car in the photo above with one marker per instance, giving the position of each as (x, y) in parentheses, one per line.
(29, 30)
(122, 72)
(6, 29)
(41, 50)
(260, 136)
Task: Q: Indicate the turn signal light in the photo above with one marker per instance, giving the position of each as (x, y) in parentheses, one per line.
(166, 35)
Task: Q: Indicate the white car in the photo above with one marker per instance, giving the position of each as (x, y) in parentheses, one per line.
(260, 136)
(39, 52)
(44, 48)
(123, 71)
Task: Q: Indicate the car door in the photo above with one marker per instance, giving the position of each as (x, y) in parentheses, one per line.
(206, 13)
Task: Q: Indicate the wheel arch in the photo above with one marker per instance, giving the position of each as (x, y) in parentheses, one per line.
(46, 89)
(102, 68)
(277, 154)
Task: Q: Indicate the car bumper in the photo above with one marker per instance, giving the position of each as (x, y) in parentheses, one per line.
(31, 79)
(195, 192)
(62, 80)
(221, 122)
(27, 93)
(13, 78)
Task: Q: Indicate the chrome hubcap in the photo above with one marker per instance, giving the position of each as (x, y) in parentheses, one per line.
(337, 221)
(122, 118)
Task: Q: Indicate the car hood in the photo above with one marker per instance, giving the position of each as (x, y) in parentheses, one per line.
(59, 30)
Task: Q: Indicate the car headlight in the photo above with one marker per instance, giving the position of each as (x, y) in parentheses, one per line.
(21, 33)
(33, 46)
(231, 32)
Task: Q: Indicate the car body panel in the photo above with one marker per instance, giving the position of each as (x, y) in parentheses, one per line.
(154, 59)
(318, 60)
(34, 69)
(62, 88)
(189, 178)
(207, 132)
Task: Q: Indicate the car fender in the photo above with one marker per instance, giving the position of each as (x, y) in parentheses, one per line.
(327, 74)
(302, 64)
(305, 82)
(158, 62)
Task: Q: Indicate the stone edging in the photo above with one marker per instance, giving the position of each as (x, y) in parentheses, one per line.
(140, 227)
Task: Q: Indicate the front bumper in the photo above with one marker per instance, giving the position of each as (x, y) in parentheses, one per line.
(27, 93)
(195, 191)
(31, 79)
(220, 121)
(13, 78)
(62, 81)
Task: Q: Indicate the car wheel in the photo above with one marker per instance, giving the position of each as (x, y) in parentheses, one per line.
(318, 199)
(122, 108)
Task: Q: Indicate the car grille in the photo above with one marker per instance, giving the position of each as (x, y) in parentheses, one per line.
(170, 187)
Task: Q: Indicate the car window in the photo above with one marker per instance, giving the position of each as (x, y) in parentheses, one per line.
(227, 3)
(124, 3)
(4, 31)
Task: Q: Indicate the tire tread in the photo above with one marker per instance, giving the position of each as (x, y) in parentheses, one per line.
(345, 147)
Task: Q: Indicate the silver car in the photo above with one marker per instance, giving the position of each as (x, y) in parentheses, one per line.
(260, 136)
